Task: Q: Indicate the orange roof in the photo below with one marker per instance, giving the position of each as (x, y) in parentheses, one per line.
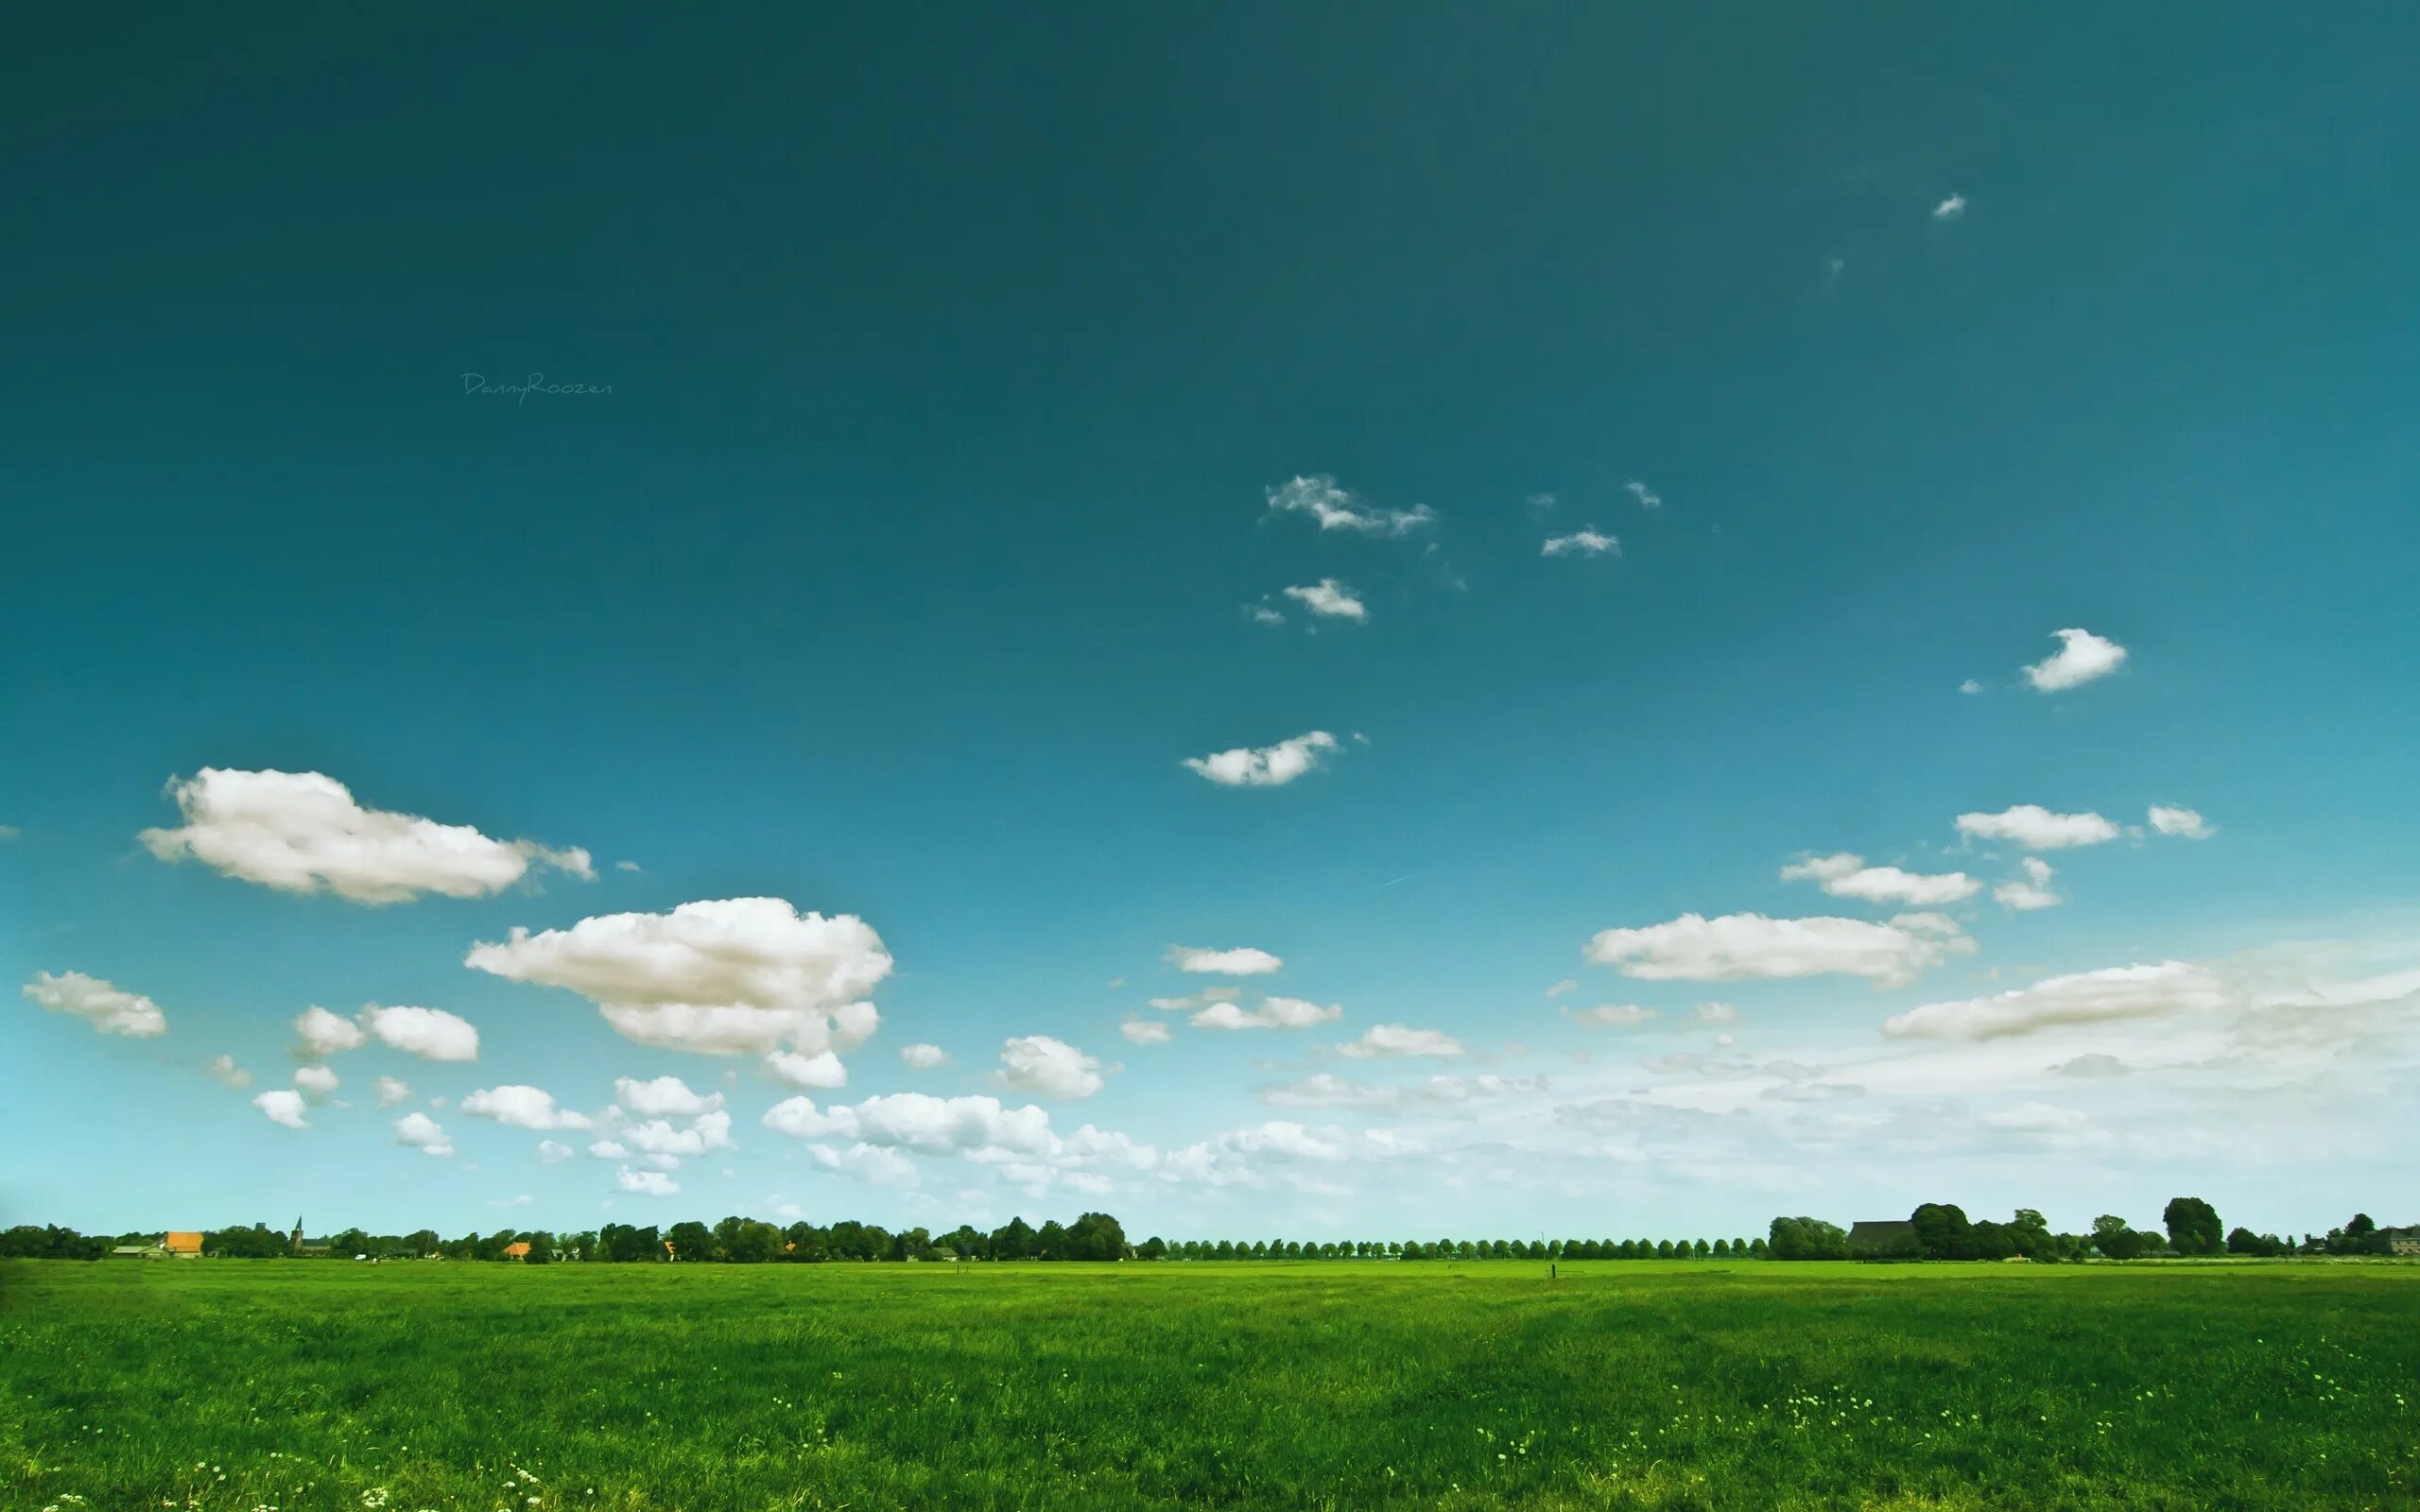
(182, 1244)
(516, 1250)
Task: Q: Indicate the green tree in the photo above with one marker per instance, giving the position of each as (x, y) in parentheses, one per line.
(1807, 1239)
(691, 1241)
(1943, 1231)
(2193, 1227)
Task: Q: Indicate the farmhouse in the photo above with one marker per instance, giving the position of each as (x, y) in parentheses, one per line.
(138, 1252)
(183, 1243)
(518, 1250)
(2401, 1240)
(1883, 1239)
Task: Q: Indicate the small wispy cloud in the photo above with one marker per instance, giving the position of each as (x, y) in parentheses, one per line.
(1329, 599)
(1583, 542)
(1648, 498)
(1338, 508)
(1950, 209)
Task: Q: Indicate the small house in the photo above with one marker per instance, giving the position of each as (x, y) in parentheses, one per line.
(138, 1252)
(182, 1244)
(2401, 1240)
(1884, 1239)
(518, 1250)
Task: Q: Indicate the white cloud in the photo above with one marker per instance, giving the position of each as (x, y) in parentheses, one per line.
(315, 1082)
(323, 1033)
(283, 1105)
(2085, 997)
(227, 1073)
(2031, 891)
(916, 1121)
(923, 1058)
(1045, 1067)
(106, 1007)
(733, 976)
(1569, 984)
(1844, 875)
(1611, 1015)
(2184, 822)
(422, 1133)
(1264, 765)
(1274, 1013)
(1330, 599)
(626, 866)
(1737, 947)
(1241, 961)
(823, 1070)
(1648, 498)
(609, 1149)
(1715, 1013)
(646, 1183)
(2082, 657)
(1950, 209)
(430, 1033)
(2036, 827)
(552, 1153)
(1586, 542)
(709, 1130)
(1264, 613)
(392, 1091)
(1196, 1000)
(871, 1163)
(1386, 1040)
(1337, 508)
(1970, 685)
(663, 1097)
(522, 1106)
(300, 832)
(1143, 1032)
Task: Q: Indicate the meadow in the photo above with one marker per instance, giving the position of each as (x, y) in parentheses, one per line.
(233, 1387)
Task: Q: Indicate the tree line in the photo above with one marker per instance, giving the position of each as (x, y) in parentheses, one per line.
(1935, 1232)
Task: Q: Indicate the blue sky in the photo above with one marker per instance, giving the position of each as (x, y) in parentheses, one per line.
(961, 378)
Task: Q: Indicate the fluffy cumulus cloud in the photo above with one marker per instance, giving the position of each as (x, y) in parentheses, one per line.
(2081, 658)
(283, 1105)
(300, 832)
(2036, 827)
(733, 976)
(430, 1033)
(1586, 542)
(552, 1153)
(2084, 997)
(1143, 1032)
(1242, 961)
(646, 1183)
(224, 1070)
(392, 1091)
(1264, 765)
(822, 1070)
(522, 1106)
(315, 1081)
(1737, 947)
(1329, 599)
(318, 1032)
(1045, 1067)
(1844, 875)
(1390, 1040)
(2184, 823)
(669, 1143)
(663, 1097)
(2031, 890)
(916, 1121)
(106, 1007)
(422, 1133)
(1611, 1015)
(1337, 508)
(1274, 1013)
(923, 1058)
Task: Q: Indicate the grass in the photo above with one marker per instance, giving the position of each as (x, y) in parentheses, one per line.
(239, 1385)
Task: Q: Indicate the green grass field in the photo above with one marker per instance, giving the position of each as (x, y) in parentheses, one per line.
(235, 1385)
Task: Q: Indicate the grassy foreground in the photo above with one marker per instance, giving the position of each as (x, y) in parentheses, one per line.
(236, 1386)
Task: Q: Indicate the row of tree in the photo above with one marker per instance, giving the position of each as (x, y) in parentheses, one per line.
(1936, 1230)
(1941, 1231)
